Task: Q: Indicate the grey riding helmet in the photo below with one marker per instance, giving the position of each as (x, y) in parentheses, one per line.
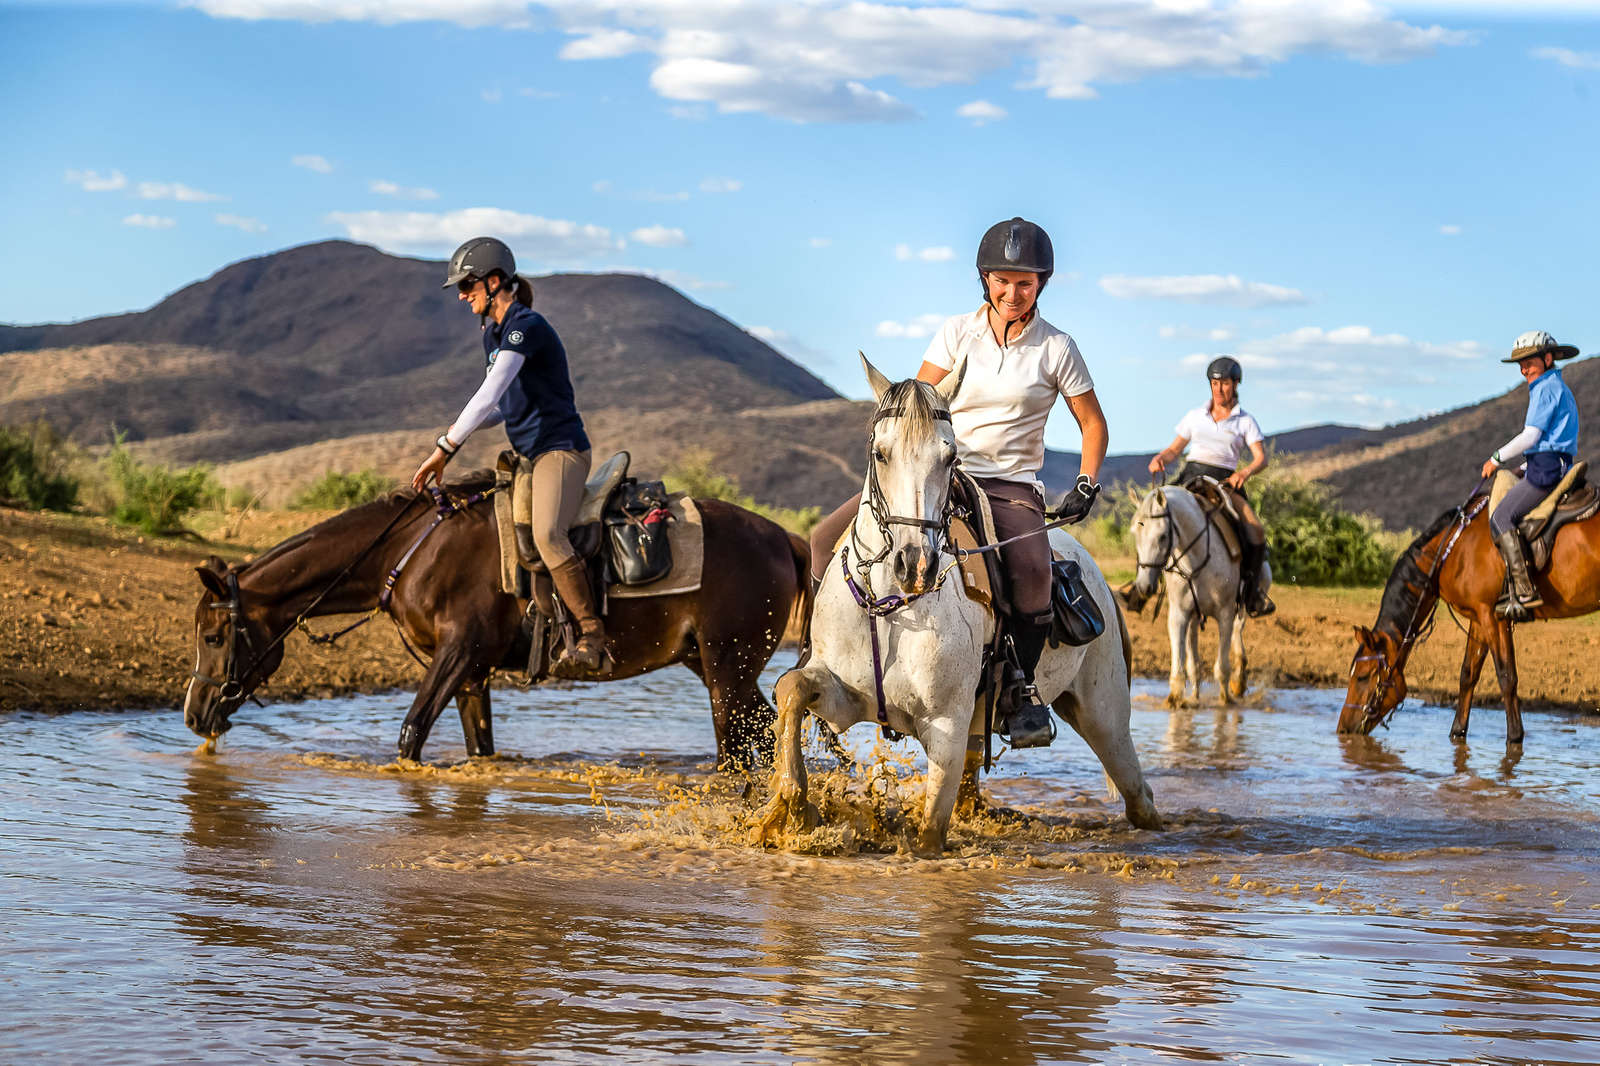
(1017, 244)
(1223, 369)
(478, 258)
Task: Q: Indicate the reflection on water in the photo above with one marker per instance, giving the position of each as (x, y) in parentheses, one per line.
(1315, 899)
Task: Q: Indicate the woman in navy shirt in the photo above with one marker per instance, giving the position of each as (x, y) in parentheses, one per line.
(527, 386)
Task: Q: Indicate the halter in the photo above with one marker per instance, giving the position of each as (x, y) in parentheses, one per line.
(1171, 558)
(1415, 631)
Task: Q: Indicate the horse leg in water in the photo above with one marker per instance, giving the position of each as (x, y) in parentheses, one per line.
(787, 809)
(1241, 662)
(945, 741)
(1098, 708)
(1471, 668)
(452, 666)
(1177, 625)
(740, 714)
(1505, 666)
(477, 724)
(1225, 624)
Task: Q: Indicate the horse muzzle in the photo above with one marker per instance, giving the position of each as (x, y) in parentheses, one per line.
(915, 569)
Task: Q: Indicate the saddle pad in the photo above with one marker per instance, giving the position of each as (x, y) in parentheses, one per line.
(1547, 506)
(686, 533)
(974, 571)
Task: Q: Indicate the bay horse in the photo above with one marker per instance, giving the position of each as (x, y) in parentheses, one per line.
(448, 606)
(1178, 541)
(1455, 560)
(910, 659)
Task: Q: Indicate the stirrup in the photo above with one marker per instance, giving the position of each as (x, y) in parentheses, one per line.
(588, 652)
(1260, 607)
(1028, 723)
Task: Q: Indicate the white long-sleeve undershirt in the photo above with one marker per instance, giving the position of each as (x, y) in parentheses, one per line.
(1516, 446)
(484, 407)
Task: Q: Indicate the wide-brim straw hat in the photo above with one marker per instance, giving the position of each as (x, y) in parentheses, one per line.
(1537, 342)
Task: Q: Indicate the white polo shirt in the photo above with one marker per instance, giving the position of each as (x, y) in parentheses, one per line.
(999, 412)
(1219, 443)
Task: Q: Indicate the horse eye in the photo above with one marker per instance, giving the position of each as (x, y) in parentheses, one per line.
(214, 639)
(877, 454)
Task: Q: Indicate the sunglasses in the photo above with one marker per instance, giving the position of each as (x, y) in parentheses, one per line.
(468, 283)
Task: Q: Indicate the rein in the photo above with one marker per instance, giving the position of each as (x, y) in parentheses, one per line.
(1415, 631)
(1172, 558)
(446, 506)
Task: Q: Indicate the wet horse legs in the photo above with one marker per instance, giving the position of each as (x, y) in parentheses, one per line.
(1505, 665)
(1471, 668)
(477, 724)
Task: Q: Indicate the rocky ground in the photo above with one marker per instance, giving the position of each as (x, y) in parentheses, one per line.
(93, 616)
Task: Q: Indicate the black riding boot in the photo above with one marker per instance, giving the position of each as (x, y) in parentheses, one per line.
(1027, 720)
(1255, 598)
(1521, 597)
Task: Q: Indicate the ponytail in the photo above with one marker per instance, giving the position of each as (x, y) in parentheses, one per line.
(524, 291)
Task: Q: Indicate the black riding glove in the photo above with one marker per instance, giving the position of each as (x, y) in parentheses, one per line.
(1077, 501)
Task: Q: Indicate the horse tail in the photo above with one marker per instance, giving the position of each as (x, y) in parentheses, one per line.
(800, 609)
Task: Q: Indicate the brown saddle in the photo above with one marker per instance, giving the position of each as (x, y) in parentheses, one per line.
(1217, 502)
(1572, 499)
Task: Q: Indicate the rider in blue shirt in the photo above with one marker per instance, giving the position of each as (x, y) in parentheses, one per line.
(1549, 440)
(527, 385)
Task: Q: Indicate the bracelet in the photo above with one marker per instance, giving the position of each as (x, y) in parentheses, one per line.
(1495, 458)
(444, 445)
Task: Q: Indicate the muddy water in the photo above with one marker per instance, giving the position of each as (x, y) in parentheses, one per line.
(587, 897)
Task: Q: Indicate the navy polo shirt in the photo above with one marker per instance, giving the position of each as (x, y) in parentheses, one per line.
(541, 415)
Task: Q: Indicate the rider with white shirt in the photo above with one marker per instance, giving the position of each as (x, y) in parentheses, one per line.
(1217, 435)
(1017, 364)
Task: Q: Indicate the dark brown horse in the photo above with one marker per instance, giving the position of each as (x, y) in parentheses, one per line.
(449, 607)
(1455, 560)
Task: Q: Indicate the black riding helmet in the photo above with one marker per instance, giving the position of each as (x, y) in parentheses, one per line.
(1016, 244)
(478, 258)
(1224, 368)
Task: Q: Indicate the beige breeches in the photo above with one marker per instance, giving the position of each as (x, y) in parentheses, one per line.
(551, 502)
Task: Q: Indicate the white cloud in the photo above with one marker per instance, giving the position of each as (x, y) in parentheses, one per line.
(1225, 289)
(651, 196)
(1216, 333)
(718, 185)
(1568, 58)
(820, 242)
(982, 112)
(660, 237)
(313, 162)
(93, 181)
(1350, 357)
(679, 279)
(490, 96)
(150, 221)
(767, 334)
(1450, 230)
(937, 254)
(535, 238)
(389, 188)
(819, 61)
(921, 326)
(175, 190)
(249, 225)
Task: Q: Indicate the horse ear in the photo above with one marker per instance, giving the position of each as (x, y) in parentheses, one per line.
(1363, 634)
(950, 384)
(880, 384)
(1133, 494)
(1161, 494)
(214, 576)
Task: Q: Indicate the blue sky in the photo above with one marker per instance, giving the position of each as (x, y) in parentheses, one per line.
(1362, 203)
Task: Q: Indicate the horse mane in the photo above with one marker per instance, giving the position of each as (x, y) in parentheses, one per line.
(916, 402)
(1408, 582)
(382, 508)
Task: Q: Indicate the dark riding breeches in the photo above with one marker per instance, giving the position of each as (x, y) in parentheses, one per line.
(1018, 508)
(1545, 469)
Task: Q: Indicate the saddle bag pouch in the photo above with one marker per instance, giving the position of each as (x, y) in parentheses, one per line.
(1077, 620)
(636, 523)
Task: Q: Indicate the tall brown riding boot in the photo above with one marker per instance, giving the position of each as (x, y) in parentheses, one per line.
(571, 579)
(1521, 597)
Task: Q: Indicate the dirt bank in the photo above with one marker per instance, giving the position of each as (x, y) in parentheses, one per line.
(92, 616)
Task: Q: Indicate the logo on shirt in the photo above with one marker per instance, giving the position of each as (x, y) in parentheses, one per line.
(515, 337)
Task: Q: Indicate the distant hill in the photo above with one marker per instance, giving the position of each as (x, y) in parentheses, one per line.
(338, 356)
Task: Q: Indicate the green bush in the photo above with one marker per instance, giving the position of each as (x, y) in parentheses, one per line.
(695, 476)
(152, 497)
(335, 491)
(1314, 541)
(34, 468)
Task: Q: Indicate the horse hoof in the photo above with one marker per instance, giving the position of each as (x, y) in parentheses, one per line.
(929, 845)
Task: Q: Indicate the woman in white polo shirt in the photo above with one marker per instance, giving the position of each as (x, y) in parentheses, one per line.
(1217, 435)
(1017, 365)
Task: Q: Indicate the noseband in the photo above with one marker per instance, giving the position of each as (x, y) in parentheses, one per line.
(232, 687)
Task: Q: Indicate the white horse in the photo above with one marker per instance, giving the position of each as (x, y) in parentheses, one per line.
(895, 639)
(1175, 538)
